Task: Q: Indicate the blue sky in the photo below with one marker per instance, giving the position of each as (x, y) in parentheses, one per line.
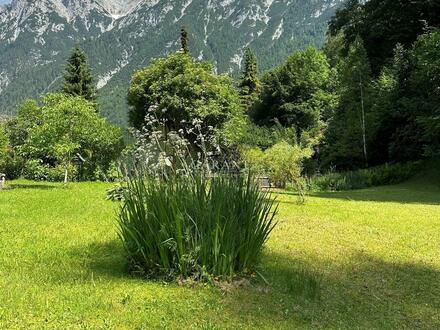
(4, 1)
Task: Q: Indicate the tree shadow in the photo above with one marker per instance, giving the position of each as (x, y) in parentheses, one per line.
(36, 186)
(401, 194)
(107, 259)
(365, 293)
(104, 260)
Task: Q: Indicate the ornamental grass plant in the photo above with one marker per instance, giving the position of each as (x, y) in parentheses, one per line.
(183, 217)
(195, 226)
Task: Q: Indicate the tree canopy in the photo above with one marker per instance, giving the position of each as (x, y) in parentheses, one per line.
(63, 129)
(348, 132)
(382, 24)
(78, 78)
(249, 84)
(180, 89)
(296, 93)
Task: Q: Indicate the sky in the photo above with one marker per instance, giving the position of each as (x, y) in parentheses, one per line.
(2, 2)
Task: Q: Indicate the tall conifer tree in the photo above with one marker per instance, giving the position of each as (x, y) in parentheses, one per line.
(249, 85)
(184, 39)
(78, 79)
(348, 134)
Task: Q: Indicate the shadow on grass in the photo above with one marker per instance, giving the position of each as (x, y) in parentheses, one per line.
(366, 293)
(37, 186)
(396, 194)
(105, 259)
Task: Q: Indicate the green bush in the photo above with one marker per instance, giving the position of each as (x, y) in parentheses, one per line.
(36, 170)
(376, 176)
(12, 165)
(282, 163)
(193, 226)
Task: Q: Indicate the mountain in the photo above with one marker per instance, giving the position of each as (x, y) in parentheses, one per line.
(120, 36)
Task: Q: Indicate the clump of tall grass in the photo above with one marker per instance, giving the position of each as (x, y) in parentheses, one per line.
(194, 225)
(181, 217)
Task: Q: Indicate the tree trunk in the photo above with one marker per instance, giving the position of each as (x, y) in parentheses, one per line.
(364, 130)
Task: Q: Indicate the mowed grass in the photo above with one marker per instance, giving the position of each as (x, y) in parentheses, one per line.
(374, 254)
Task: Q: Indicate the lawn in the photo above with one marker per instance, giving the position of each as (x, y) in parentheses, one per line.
(374, 253)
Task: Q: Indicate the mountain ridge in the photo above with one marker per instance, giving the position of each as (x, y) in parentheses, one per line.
(36, 38)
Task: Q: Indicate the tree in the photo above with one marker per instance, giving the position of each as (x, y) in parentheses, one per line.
(4, 142)
(406, 104)
(424, 89)
(78, 79)
(250, 85)
(282, 162)
(296, 93)
(69, 127)
(17, 128)
(181, 89)
(382, 24)
(184, 40)
(347, 135)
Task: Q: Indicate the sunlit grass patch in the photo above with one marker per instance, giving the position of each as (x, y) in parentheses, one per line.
(369, 257)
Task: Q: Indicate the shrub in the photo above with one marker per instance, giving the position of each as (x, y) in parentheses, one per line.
(195, 225)
(62, 132)
(377, 176)
(282, 163)
(4, 142)
(181, 214)
(12, 165)
(36, 170)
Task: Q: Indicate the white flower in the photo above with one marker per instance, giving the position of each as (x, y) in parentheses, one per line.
(168, 162)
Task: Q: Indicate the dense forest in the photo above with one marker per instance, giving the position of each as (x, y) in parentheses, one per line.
(371, 96)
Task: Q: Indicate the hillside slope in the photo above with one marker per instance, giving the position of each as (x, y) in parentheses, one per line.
(120, 37)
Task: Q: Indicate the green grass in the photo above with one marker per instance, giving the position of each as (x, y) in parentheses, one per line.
(369, 259)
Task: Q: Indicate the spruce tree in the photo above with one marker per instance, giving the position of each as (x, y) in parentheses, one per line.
(349, 131)
(250, 84)
(78, 79)
(184, 39)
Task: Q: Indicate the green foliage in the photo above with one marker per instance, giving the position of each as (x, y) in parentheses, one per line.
(425, 85)
(181, 89)
(405, 114)
(56, 134)
(195, 226)
(4, 145)
(387, 174)
(250, 84)
(349, 129)
(37, 170)
(78, 79)
(184, 40)
(383, 24)
(17, 128)
(282, 163)
(296, 93)
(265, 137)
(116, 193)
